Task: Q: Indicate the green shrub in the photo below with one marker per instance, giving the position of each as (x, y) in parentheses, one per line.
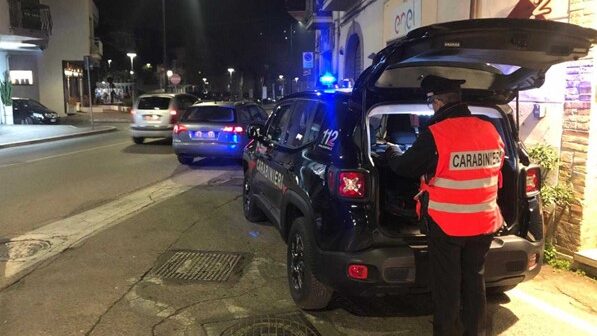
(550, 256)
(6, 90)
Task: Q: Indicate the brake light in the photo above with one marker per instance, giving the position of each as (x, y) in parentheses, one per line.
(233, 129)
(359, 272)
(351, 184)
(173, 116)
(179, 128)
(533, 179)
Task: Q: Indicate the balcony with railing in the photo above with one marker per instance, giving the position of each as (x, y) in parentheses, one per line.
(339, 5)
(315, 16)
(30, 18)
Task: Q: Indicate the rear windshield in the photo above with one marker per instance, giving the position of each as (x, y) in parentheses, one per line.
(209, 114)
(154, 103)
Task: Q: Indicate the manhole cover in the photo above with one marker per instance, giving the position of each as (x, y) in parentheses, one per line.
(21, 249)
(199, 265)
(291, 325)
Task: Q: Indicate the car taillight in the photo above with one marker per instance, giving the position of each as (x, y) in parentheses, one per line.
(178, 128)
(173, 116)
(233, 129)
(351, 184)
(359, 272)
(533, 181)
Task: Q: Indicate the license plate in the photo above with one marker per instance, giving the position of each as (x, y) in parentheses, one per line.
(151, 117)
(205, 135)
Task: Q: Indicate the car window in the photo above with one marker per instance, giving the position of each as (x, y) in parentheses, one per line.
(303, 115)
(277, 129)
(315, 124)
(208, 114)
(257, 114)
(154, 103)
(36, 106)
(243, 115)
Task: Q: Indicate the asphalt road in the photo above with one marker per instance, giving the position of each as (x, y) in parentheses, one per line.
(46, 182)
(88, 266)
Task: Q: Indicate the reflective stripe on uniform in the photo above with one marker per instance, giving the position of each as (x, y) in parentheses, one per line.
(463, 208)
(467, 184)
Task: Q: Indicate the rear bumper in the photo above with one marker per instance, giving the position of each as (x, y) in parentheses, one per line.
(405, 269)
(152, 131)
(208, 149)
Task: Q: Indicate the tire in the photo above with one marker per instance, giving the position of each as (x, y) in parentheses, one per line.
(306, 291)
(27, 121)
(498, 289)
(250, 209)
(138, 140)
(185, 160)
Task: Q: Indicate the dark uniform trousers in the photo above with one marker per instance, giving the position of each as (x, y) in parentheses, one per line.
(457, 266)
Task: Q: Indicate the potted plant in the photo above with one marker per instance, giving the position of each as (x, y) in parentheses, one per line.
(6, 98)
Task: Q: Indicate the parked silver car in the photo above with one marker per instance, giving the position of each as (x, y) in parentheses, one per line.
(154, 115)
(215, 129)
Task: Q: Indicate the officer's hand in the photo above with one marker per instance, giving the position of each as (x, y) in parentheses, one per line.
(393, 148)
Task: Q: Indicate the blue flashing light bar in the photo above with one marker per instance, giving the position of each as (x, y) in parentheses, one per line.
(327, 79)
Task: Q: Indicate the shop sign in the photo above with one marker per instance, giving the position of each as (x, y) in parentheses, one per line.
(525, 9)
(400, 17)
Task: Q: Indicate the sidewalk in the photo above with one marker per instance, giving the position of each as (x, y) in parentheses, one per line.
(20, 135)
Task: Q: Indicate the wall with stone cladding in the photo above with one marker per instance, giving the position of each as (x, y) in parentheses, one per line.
(576, 223)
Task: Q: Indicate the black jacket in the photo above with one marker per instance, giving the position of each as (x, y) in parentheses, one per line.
(421, 158)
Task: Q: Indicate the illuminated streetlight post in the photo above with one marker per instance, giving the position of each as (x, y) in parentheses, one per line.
(230, 70)
(109, 63)
(132, 55)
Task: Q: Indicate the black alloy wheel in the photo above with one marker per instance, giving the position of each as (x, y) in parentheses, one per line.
(250, 210)
(138, 140)
(306, 290)
(297, 262)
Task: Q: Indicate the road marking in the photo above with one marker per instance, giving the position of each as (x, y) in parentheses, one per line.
(73, 230)
(559, 314)
(63, 154)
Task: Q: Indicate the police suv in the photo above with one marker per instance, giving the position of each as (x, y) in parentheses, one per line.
(317, 168)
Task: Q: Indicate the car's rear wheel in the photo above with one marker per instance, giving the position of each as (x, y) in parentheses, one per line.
(27, 121)
(185, 160)
(306, 291)
(250, 209)
(138, 140)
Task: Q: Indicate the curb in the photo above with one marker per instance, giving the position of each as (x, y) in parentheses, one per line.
(106, 129)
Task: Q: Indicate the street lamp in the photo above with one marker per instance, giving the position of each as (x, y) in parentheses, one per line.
(230, 70)
(131, 56)
(109, 63)
(169, 73)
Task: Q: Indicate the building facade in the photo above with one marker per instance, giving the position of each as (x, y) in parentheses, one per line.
(42, 45)
(350, 32)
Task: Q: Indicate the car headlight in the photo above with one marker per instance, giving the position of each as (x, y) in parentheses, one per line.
(38, 115)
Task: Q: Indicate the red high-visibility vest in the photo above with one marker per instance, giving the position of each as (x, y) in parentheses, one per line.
(463, 192)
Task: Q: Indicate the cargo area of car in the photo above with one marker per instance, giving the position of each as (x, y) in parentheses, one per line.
(401, 125)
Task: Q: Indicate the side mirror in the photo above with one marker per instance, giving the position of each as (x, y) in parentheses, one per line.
(254, 131)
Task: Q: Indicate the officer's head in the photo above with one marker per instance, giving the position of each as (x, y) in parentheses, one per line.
(441, 91)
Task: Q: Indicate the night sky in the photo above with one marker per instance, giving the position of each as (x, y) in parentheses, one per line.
(204, 35)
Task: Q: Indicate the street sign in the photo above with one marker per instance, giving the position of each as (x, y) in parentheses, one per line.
(175, 79)
(308, 60)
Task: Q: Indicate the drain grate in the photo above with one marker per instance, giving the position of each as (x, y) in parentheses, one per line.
(272, 325)
(188, 265)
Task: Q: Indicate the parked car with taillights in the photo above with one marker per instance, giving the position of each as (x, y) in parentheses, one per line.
(154, 115)
(214, 129)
